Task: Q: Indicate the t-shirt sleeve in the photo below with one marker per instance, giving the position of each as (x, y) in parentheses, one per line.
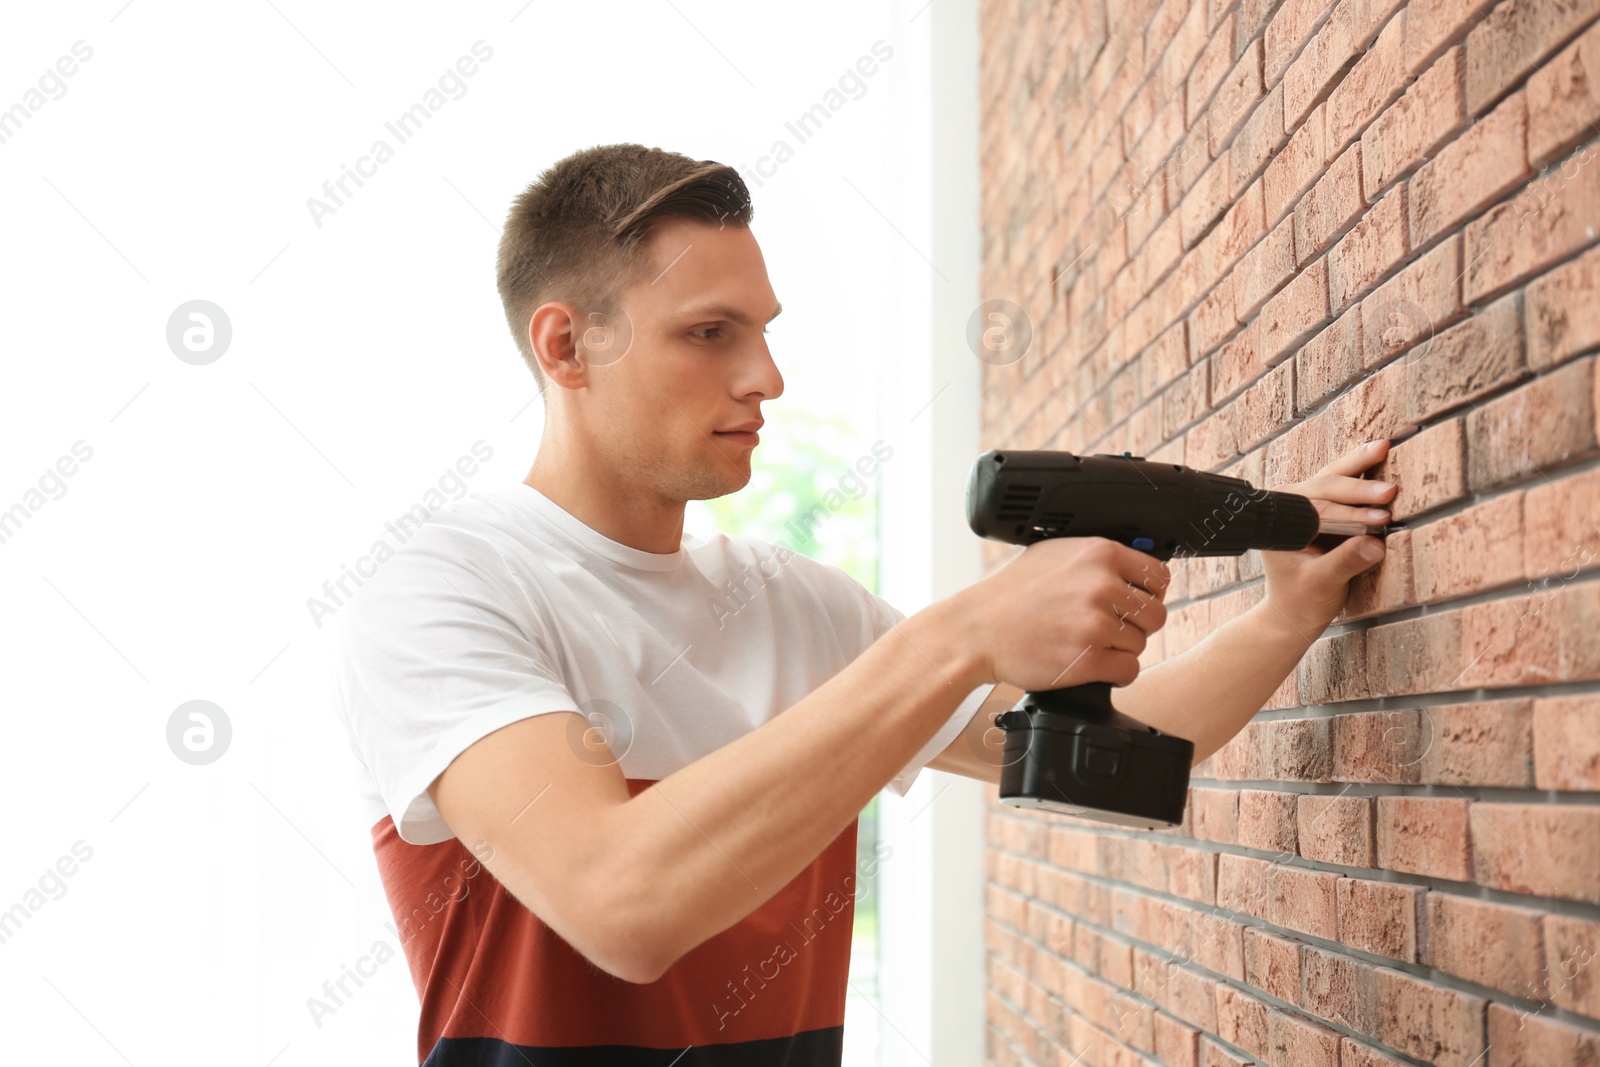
(426, 661)
(878, 617)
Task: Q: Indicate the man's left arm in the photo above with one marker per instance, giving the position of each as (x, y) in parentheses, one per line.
(1209, 692)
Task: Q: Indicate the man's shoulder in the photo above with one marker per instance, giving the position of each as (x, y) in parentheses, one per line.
(419, 554)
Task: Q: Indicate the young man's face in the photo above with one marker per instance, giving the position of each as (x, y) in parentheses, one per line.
(692, 370)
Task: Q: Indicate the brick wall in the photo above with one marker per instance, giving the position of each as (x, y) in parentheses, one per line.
(1250, 235)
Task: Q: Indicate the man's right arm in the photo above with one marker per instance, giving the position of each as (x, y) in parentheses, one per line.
(634, 883)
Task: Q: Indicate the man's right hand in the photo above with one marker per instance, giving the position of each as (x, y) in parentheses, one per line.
(1066, 611)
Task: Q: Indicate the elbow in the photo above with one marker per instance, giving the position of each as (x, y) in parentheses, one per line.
(632, 938)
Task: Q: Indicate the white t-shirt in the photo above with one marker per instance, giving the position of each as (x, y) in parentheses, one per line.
(504, 605)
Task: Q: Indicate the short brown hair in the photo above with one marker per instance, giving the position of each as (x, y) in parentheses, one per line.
(577, 234)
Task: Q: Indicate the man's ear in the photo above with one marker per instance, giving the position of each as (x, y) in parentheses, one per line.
(553, 333)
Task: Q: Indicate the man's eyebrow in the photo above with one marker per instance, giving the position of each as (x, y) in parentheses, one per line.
(722, 311)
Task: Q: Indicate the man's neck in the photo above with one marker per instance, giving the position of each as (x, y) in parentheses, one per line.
(611, 507)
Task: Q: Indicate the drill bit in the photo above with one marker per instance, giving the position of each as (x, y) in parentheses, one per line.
(1351, 527)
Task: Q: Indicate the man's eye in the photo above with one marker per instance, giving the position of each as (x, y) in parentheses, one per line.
(706, 329)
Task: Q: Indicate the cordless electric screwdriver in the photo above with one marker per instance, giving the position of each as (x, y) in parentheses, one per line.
(1069, 750)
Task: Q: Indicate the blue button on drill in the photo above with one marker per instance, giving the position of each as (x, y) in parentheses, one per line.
(1143, 544)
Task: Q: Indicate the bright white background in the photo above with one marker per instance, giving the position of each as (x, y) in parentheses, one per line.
(367, 356)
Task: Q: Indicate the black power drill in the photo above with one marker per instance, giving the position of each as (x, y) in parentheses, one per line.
(1068, 750)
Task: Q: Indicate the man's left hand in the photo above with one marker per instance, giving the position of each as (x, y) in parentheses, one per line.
(1309, 587)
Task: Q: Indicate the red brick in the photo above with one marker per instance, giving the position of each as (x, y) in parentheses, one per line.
(1494, 945)
(1386, 587)
(1434, 25)
(1291, 172)
(1294, 749)
(1374, 407)
(1465, 362)
(1458, 554)
(1355, 1054)
(1205, 203)
(1242, 1020)
(1472, 171)
(1478, 744)
(1341, 39)
(1572, 963)
(1543, 424)
(1424, 835)
(1296, 312)
(1214, 1055)
(1375, 81)
(1209, 71)
(1542, 849)
(1241, 227)
(1560, 536)
(1175, 1043)
(1288, 30)
(1182, 52)
(1216, 814)
(1566, 742)
(1185, 401)
(1334, 669)
(1266, 820)
(1163, 361)
(1192, 874)
(1263, 270)
(1410, 308)
(1258, 140)
(1236, 98)
(1414, 127)
(1237, 363)
(1264, 409)
(1563, 312)
(1272, 964)
(1421, 655)
(1242, 884)
(1440, 1026)
(1192, 998)
(1564, 99)
(1328, 362)
(1380, 917)
(1211, 322)
(1331, 205)
(1301, 1042)
(1372, 249)
(1530, 640)
(1303, 900)
(1512, 40)
(1336, 829)
(1376, 746)
(1554, 217)
(1338, 989)
(1519, 1039)
(1428, 470)
(1299, 453)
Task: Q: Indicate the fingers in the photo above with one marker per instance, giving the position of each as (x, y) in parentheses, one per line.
(1358, 458)
(1343, 489)
(1138, 608)
(1140, 569)
(1098, 664)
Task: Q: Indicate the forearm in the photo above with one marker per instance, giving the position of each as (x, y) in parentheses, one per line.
(719, 837)
(1208, 693)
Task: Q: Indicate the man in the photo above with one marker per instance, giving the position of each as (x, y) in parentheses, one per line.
(615, 769)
